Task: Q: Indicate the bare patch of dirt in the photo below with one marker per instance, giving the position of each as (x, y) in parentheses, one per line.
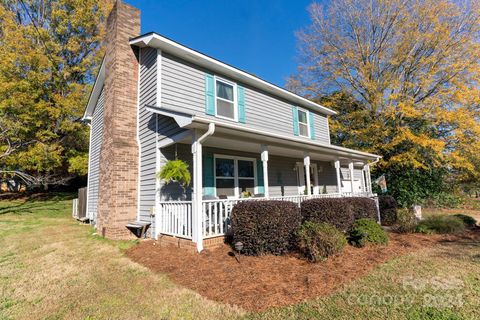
(257, 283)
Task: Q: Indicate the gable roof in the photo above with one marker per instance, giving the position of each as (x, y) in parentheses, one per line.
(158, 41)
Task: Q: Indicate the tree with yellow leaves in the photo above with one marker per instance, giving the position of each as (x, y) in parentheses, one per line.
(49, 54)
(404, 75)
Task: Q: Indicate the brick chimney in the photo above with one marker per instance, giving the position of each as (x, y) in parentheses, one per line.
(119, 154)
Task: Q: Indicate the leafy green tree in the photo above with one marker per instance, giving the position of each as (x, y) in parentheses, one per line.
(49, 54)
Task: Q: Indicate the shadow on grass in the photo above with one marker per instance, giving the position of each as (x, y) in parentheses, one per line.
(34, 203)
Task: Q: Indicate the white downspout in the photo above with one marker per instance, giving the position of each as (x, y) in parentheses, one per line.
(197, 218)
(369, 182)
(92, 219)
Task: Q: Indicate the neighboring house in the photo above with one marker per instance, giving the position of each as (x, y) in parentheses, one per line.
(156, 100)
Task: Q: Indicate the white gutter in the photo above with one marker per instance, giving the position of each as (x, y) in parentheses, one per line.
(283, 137)
(185, 120)
(197, 197)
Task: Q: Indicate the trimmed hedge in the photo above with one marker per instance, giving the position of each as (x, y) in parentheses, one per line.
(363, 207)
(335, 211)
(265, 226)
(388, 210)
(367, 231)
(317, 241)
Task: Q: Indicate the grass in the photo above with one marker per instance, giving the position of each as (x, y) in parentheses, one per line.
(52, 267)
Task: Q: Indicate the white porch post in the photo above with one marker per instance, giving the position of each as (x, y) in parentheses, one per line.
(197, 235)
(350, 167)
(265, 169)
(339, 181)
(364, 182)
(197, 196)
(366, 187)
(369, 178)
(306, 163)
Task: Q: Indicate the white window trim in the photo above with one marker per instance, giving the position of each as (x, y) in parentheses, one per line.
(235, 173)
(307, 116)
(235, 99)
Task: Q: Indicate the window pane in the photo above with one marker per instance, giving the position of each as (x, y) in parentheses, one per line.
(246, 185)
(245, 169)
(224, 167)
(303, 129)
(302, 116)
(225, 109)
(224, 91)
(225, 187)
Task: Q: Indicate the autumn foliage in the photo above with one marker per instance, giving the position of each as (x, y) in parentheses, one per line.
(404, 77)
(49, 54)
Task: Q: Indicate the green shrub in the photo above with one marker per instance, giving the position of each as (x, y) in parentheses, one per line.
(265, 226)
(469, 222)
(388, 210)
(334, 211)
(367, 231)
(317, 241)
(442, 224)
(362, 207)
(444, 200)
(406, 221)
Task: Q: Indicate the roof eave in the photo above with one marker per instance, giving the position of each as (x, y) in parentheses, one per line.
(95, 93)
(157, 41)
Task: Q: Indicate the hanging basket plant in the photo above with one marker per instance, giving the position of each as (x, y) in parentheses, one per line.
(175, 171)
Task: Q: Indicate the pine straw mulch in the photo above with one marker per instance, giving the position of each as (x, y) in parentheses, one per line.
(257, 283)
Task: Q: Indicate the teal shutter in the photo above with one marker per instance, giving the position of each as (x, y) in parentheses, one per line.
(209, 94)
(295, 120)
(260, 184)
(208, 177)
(241, 104)
(312, 125)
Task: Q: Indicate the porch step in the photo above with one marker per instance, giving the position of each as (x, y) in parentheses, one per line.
(139, 227)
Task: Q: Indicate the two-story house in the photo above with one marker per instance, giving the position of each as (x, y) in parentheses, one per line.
(156, 100)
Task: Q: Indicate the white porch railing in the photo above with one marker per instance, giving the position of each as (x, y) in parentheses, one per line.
(175, 217)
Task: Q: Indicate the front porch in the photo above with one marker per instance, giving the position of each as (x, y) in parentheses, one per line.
(174, 218)
(227, 169)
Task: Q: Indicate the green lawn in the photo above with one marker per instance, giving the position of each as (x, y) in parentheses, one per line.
(52, 267)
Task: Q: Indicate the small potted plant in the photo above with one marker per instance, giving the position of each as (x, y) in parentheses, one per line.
(246, 194)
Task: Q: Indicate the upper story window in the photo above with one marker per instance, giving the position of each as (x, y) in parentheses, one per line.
(225, 99)
(303, 125)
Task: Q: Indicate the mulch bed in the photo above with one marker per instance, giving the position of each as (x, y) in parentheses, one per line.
(257, 283)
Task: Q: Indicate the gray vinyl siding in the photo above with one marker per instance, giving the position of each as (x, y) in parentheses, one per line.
(167, 127)
(147, 132)
(345, 173)
(96, 132)
(183, 89)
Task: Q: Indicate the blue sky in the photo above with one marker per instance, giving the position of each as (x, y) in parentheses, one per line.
(255, 36)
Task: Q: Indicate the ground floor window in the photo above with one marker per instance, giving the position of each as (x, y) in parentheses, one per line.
(234, 175)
